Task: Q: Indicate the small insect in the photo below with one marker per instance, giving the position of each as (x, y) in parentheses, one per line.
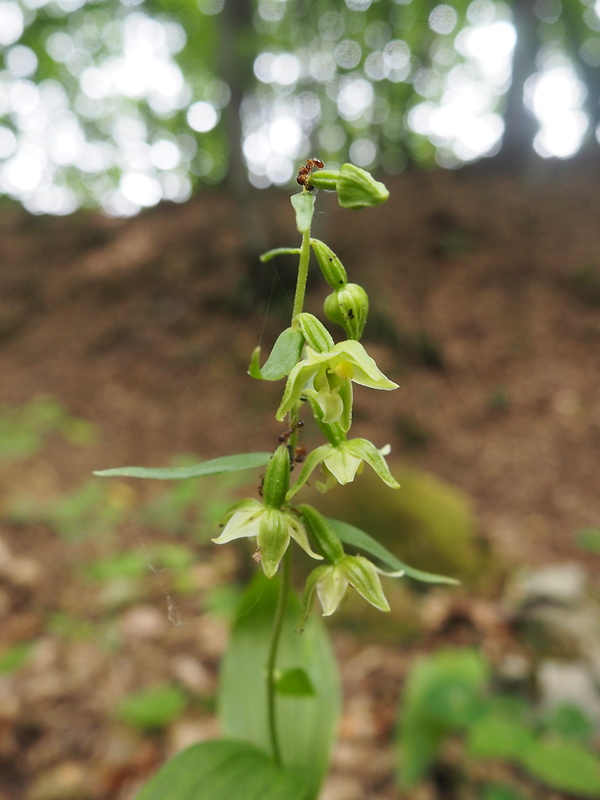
(300, 453)
(311, 165)
(285, 436)
(257, 556)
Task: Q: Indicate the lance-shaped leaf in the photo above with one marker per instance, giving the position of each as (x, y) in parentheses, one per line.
(367, 544)
(283, 357)
(215, 466)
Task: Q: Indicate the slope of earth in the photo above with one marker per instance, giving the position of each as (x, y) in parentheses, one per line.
(485, 294)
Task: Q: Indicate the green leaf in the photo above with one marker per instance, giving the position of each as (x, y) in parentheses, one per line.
(216, 466)
(295, 683)
(304, 205)
(370, 546)
(442, 695)
(154, 708)
(306, 724)
(11, 660)
(279, 251)
(224, 770)
(495, 736)
(565, 766)
(570, 722)
(500, 791)
(283, 357)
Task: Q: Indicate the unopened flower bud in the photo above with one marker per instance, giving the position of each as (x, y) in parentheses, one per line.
(323, 179)
(331, 267)
(348, 307)
(277, 478)
(357, 188)
(321, 532)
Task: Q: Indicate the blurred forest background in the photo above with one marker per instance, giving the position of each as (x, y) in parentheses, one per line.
(147, 154)
(119, 105)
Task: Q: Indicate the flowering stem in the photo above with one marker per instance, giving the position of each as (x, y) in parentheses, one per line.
(302, 274)
(282, 600)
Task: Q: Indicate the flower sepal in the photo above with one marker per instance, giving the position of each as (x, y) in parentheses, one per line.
(330, 583)
(272, 528)
(331, 374)
(314, 332)
(343, 461)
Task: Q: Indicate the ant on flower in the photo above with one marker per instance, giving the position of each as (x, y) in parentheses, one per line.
(311, 165)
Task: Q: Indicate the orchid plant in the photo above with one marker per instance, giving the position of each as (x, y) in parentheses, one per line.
(279, 696)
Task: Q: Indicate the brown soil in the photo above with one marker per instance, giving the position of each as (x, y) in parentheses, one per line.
(485, 292)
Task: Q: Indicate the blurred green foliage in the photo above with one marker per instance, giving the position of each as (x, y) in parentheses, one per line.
(153, 708)
(24, 429)
(451, 693)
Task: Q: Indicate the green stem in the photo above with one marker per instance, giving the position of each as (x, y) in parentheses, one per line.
(282, 600)
(302, 275)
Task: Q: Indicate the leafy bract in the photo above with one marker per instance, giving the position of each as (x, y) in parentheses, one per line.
(367, 544)
(283, 357)
(306, 720)
(215, 466)
(224, 770)
(304, 206)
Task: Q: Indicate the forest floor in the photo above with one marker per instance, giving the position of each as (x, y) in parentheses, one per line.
(485, 295)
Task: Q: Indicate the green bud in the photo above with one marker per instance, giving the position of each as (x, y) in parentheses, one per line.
(323, 179)
(348, 307)
(323, 535)
(316, 335)
(277, 478)
(357, 188)
(331, 267)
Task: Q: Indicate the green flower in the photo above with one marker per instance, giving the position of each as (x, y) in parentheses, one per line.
(273, 529)
(342, 461)
(331, 582)
(328, 376)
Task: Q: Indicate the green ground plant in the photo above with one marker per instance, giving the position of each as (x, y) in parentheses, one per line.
(451, 695)
(24, 429)
(279, 696)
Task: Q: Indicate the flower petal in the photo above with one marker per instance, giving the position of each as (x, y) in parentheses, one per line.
(366, 371)
(243, 522)
(366, 450)
(296, 382)
(298, 533)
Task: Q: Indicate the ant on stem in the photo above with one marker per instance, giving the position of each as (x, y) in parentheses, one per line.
(311, 165)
